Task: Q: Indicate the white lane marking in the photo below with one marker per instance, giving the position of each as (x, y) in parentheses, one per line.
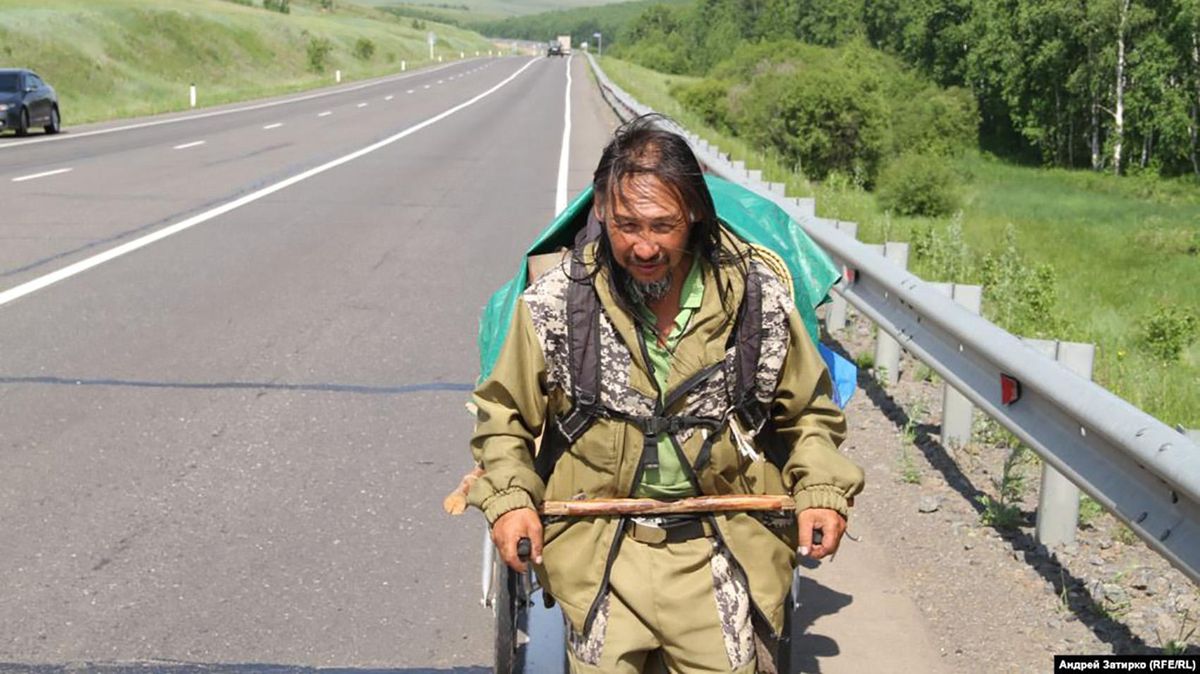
(276, 125)
(324, 114)
(440, 81)
(35, 176)
(426, 86)
(83, 265)
(409, 91)
(388, 98)
(191, 144)
(216, 113)
(560, 194)
(362, 105)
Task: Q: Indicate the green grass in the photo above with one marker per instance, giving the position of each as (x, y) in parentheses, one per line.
(488, 9)
(1120, 246)
(120, 58)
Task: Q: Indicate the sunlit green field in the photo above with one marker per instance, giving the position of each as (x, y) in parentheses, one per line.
(119, 58)
(1122, 248)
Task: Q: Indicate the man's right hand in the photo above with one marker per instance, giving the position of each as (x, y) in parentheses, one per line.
(511, 527)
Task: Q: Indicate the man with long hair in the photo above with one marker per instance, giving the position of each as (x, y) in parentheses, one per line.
(682, 594)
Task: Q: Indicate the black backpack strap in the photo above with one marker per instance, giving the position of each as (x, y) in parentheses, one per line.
(583, 353)
(747, 341)
(751, 411)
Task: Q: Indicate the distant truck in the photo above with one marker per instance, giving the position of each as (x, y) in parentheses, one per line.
(564, 41)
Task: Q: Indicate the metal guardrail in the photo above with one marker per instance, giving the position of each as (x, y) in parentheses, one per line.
(1143, 471)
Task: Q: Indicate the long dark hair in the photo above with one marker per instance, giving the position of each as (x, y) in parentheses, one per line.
(642, 147)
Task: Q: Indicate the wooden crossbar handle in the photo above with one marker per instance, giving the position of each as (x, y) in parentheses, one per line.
(649, 506)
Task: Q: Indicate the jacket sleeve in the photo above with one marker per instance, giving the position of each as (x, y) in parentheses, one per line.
(808, 421)
(511, 409)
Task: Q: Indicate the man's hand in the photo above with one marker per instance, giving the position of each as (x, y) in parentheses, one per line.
(511, 527)
(829, 523)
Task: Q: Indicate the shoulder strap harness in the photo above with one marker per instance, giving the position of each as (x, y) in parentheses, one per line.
(583, 352)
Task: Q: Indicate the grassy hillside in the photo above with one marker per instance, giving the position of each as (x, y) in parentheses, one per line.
(1125, 252)
(118, 58)
(580, 22)
(475, 10)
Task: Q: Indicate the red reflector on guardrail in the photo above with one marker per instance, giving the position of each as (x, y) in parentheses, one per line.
(1010, 389)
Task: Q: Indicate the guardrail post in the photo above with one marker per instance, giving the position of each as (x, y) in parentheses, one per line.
(835, 318)
(957, 412)
(887, 350)
(1058, 501)
(808, 206)
(755, 176)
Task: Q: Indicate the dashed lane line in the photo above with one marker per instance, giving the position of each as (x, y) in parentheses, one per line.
(215, 113)
(195, 143)
(43, 174)
(276, 125)
(36, 284)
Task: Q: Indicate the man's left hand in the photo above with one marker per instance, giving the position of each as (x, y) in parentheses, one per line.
(831, 525)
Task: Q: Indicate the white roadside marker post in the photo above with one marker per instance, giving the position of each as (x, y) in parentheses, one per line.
(192, 95)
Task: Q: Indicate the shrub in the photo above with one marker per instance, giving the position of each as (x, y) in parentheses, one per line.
(1169, 331)
(917, 184)
(281, 6)
(1019, 296)
(822, 120)
(364, 49)
(944, 253)
(706, 98)
(319, 49)
(935, 121)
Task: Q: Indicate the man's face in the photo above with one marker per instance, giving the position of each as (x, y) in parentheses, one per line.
(648, 229)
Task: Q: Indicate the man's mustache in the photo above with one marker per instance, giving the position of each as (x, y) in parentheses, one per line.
(632, 259)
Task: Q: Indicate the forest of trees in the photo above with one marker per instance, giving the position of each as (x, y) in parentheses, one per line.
(1111, 85)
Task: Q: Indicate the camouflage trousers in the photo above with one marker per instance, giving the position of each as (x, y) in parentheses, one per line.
(671, 607)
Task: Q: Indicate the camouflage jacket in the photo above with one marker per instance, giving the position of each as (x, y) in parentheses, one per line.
(530, 383)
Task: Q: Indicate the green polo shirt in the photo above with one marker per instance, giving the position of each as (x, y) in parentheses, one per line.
(669, 480)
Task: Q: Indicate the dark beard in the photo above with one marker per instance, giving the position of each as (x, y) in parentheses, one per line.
(644, 293)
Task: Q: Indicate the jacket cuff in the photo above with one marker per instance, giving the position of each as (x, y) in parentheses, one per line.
(505, 501)
(822, 496)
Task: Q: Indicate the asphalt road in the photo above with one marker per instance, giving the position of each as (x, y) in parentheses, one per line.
(228, 446)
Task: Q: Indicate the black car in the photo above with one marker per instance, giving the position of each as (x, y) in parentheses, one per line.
(555, 49)
(26, 101)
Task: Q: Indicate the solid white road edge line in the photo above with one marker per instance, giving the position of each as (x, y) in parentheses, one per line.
(113, 253)
(187, 145)
(41, 175)
(215, 113)
(560, 194)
